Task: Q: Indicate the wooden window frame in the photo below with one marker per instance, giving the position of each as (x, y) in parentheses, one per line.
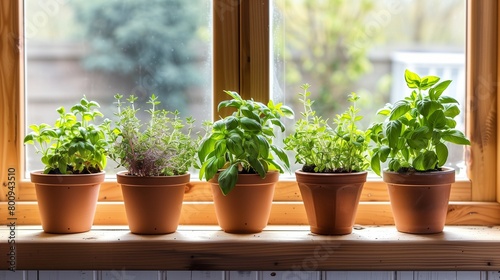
(241, 63)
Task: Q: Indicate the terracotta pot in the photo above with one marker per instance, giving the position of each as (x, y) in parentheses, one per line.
(153, 204)
(419, 200)
(331, 200)
(247, 207)
(67, 203)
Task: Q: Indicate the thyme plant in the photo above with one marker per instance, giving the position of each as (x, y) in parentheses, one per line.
(162, 146)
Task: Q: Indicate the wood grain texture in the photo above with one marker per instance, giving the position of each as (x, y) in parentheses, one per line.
(254, 50)
(226, 51)
(482, 86)
(11, 58)
(481, 94)
(276, 248)
(282, 213)
(286, 190)
(498, 106)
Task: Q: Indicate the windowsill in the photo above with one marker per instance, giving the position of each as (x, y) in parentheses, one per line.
(276, 248)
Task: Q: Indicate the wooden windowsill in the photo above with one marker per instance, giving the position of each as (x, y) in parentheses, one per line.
(290, 248)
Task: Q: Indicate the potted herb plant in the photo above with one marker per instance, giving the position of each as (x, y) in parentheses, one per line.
(334, 162)
(74, 153)
(412, 139)
(238, 157)
(157, 155)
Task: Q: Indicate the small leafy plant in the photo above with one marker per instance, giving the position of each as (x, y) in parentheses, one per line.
(415, 131)
(162, 147)
(323, 149)
(243, 141)
(76, 144)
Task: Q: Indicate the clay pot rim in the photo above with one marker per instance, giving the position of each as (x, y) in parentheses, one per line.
(271, 175)
(299, 171)
(38, 177)
(442, 177)
(126, 179)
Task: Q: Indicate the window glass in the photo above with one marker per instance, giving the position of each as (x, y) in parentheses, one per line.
(363, 46)
(98, 48)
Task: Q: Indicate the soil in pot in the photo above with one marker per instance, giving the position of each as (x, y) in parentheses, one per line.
(246, 209)
(331, 200)
(67, 203)
(419, 200)
(153, 204)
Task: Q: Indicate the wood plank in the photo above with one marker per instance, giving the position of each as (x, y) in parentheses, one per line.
(13, 275)
(498, 104)
(282, 213)
(278, 248)
(361, 275)
(492, 275)
(482, 108)
(243, 275)
(404, 275)
(286, 190)
(81, 275)
(466, 275)
(11, 53)
(290, 275)
(254, 50)
(226, 53)
(435, 275)
(205, 275)
(121, 274)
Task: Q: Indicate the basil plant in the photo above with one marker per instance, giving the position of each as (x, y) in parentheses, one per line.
(414, 135)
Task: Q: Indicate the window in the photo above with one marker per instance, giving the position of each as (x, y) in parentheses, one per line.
(241, 62)
(100, 48)
(369, 54)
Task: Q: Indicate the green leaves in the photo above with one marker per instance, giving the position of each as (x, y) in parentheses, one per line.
(392, 132)
(77, 143)
(455, 136)
(250, 124)
(412, 79)
(228, 178)
(425, 161)
(243, 141)
(161, 146)
(442, 153)
(436, 92)
(416, 129)
(400, 108)
(323, 148)
(375, 163)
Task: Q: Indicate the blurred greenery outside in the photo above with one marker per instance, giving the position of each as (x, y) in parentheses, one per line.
(164, 47)
(344, 46)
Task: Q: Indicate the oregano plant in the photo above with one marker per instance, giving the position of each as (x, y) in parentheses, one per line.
(77, 143)
(322, 148)
(243, 142)
(414, 134)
